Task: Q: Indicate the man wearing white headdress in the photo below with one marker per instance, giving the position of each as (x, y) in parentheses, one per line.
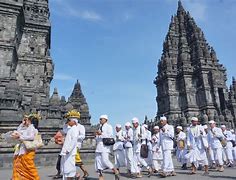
(197, 145)
(166, 143)
(228, 149)
(69, 149)
(156, 150)
(216, 136)
(118, 148)
(137, 140)
(181, 148)
(128, 144)
(102, 151)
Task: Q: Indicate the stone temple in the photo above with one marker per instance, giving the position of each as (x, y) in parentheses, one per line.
(26, 71)
(190, 80)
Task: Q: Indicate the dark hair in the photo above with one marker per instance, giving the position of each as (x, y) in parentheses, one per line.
(34, 121)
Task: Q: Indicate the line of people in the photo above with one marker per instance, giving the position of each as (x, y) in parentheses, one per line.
(200, 146)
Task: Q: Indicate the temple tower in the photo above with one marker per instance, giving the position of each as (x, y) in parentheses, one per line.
(190, 79)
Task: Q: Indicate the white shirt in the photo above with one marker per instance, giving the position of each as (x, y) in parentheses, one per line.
(26, 134)
(156, 142)
(137, 139)
(167, 137)
(215, 134)
(128, 138)
(81, 136)
(107, 132)
(197, 137)
(119, 141)
(181, 137)
(70, 143)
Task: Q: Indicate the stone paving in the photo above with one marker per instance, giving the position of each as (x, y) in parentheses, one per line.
(46, 173)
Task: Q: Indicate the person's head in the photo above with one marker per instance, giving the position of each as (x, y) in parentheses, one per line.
(163, 121)
(194, 121)
(127, 125)
(179, 129)
(26, 121)
(103, 119)
(223, 127)
(156, 129)
(118, 127)
(72, 121)
(212, 124)
(135, 122)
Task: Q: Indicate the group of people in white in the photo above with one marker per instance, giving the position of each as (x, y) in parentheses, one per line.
(138, 149)
(199, 147)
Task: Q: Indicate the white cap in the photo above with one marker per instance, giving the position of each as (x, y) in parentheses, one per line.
(128, 124)
(74, 119)
(163, 118)
(179, 127)
(212, 122)
(194, 119)
(223, 126)
(145, 125)
(118, 125)
(156, 127)
(135, 120)
(104, 117)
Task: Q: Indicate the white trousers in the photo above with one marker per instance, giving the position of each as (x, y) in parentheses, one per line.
(234, 153)
(102, 161)
(180, 155)
(167, 165)
(120, 160)
(211, 155)
(68, 167)
(218, 156)
(130, 160)
(229, 152)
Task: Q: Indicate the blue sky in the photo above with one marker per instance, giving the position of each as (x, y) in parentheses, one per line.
(112, 47)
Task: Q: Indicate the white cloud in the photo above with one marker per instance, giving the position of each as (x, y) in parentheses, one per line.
(63, 8)
(63, 77)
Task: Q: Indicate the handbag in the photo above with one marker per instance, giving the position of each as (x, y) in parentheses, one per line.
(144, 150)
(35, 144)
(108, 141)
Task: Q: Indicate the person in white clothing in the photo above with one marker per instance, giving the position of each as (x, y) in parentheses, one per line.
(210, 154)
(234, 144)
(118, 148)
(228, 149)
(68, 151)
(157, 157)
(137, 141)
(128, 144)
(197, 145)
(216, 138)
(79, 162)
(181, 148)
(166, 143)
(102, 151)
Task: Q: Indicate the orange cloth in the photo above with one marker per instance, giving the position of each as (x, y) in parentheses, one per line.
(24, 167)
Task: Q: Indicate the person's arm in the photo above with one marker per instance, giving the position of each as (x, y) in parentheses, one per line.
(82, 133)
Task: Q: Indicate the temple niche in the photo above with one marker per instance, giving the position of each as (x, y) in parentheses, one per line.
(26, 71)
(190, 80)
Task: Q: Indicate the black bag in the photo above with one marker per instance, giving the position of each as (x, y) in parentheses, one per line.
(233, 143)
(144, 151)
(108, 141)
